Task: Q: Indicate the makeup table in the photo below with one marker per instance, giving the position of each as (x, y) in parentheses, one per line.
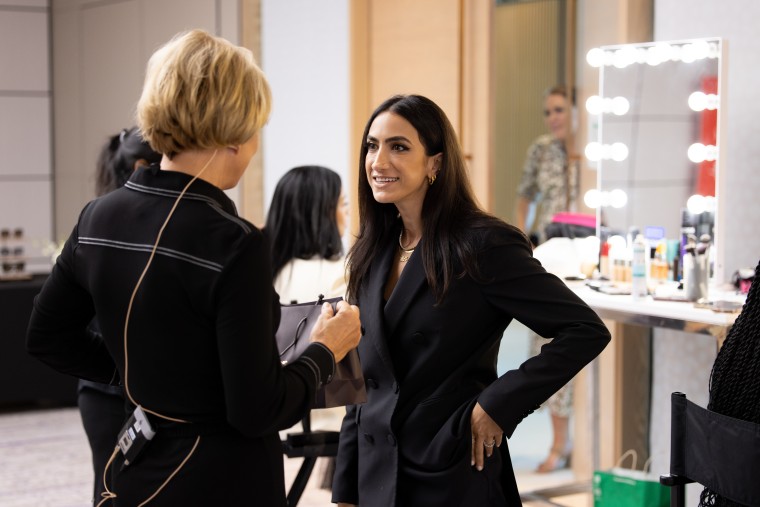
(618, 395)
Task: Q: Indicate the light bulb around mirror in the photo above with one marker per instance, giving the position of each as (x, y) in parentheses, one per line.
(593, 151)
(699, 152)
(618, 152)
(595, 57)
(592, 199)
(594, 104)
(618, 198)
(620, 106)
(697, 101)
(696, 153)
(696, 204)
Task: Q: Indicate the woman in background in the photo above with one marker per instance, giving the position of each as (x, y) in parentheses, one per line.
(305, 225)
(101, 405)
(439, 280)
(550, 183)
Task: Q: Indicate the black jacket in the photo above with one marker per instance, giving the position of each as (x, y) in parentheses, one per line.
(426, 366)
(201, 332)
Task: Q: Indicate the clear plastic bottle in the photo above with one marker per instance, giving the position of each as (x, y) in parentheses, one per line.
(639, 268)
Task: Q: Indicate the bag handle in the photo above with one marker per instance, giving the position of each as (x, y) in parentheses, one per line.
(634, 455)
(301, 325)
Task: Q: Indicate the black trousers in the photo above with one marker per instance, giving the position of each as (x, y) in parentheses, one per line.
(103, 415)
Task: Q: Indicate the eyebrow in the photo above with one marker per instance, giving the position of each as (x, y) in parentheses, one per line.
(390, 139)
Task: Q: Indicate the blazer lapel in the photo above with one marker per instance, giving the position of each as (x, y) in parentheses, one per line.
(412, 280)
(372, 309)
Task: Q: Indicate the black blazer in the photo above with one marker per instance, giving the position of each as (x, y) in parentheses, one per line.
(426, 366)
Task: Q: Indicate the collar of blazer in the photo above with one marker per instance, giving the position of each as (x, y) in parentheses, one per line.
(386, 317)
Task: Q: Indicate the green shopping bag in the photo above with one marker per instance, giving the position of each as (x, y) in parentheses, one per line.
(628, 487)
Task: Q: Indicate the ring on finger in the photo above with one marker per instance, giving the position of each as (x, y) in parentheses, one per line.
(491, 444)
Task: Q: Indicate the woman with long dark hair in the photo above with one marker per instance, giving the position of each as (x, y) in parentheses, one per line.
(439, 280)
(305, 225)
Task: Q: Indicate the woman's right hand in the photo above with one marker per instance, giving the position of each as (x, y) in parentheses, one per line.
(339, 332)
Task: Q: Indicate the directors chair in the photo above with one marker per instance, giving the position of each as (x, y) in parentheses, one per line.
(308, 445)
(719, 452)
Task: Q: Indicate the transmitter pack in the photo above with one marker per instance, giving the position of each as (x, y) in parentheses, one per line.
(135, 434)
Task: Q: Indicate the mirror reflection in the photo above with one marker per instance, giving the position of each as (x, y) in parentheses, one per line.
(657, 146)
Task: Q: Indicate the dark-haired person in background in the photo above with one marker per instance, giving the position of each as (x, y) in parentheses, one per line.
(439, 280)
(101, 405)
(305, 225)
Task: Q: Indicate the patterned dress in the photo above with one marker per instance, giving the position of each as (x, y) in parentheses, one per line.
(549, 182)
(552, 184)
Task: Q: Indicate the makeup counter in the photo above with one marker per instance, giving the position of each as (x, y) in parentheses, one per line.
(622, 400)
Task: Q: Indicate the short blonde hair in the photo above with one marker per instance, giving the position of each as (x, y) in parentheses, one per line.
(201, 92)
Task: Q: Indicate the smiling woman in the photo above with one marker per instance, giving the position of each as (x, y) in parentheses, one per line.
(439, 280)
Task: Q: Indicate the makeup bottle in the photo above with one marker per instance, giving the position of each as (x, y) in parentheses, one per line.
(639, 268)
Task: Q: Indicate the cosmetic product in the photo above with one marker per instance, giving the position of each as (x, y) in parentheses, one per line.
(639, 268)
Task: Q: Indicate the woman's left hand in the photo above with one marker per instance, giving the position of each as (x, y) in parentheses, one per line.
(486, 435)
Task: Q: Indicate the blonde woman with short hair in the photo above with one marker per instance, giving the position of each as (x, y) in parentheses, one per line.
(182, 288)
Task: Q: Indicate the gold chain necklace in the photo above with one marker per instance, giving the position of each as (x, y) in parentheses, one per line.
(405, 253)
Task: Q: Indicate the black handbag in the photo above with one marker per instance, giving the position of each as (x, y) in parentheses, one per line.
(296, 323)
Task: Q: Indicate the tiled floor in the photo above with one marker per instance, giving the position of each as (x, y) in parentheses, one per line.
(45, 462)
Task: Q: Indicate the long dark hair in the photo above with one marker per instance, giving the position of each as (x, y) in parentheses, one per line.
(735, 376)
(117, 158)
(302, 222)
(449, 213)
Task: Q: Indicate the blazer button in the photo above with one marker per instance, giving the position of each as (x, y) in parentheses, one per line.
(396, 387)
(419, 338)
(369, 438)
(391, 440)
(371, 383)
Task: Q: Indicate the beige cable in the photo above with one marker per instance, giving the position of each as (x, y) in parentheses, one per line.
(109, 495)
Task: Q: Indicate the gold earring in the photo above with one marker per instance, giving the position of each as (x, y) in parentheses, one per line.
(431, 179)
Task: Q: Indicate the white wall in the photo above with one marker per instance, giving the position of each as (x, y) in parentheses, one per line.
(26, 179)
(305, 56)
(735, 22)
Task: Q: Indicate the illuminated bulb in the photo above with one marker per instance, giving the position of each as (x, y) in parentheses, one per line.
(701, 49)
(617, 242)
(688, 53)
(696, 204)
(604, 198)
(618, 152)
(698, 101)
(712, 101)
(710, 203)
(594, 104)
(653, 58)
(714, 51)
(663, 51)
(595, 57)
(593, 151)
(620, 59)
(592, 198)
(711, 152)
(620, 106)
(696, 153)
(618, 198)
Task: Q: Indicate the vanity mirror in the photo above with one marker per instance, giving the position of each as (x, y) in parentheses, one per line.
(657, 150)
